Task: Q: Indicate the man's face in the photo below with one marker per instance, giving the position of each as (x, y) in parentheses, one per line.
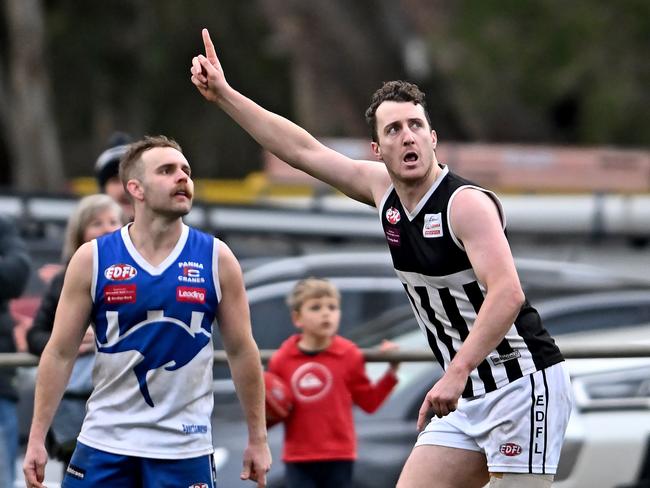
(166, 185)
(406, 142)
(115, 189)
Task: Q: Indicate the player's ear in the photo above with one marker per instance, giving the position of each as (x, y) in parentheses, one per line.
(434, 137)
(134, 188)
(376, 150)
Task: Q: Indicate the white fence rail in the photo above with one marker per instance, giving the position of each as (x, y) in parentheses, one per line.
(623, 350)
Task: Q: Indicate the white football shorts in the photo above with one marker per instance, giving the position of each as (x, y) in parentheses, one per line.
(520, 427)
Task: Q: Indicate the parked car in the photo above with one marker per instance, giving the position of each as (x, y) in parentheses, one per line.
(540, 278)
(372, 296)
(607, 443)
(373, 299)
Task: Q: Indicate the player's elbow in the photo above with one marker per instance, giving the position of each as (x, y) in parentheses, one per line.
(513, 297)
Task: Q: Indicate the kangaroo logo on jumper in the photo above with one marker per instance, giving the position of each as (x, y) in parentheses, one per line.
(162, 341)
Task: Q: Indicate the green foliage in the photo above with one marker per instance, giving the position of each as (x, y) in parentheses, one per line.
(502, 70)
(124, 65)
(548, 70)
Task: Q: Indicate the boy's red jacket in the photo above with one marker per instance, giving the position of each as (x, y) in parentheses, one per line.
(325, 386)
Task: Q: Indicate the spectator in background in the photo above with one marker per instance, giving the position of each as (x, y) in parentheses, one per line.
(14, 273)
(108, 181)
(326, 375)
(94, 216)
(107, 172)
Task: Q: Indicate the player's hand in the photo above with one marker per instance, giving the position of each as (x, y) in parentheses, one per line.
(257, 462)
(34, 465)
(207, 74)
(442, 398)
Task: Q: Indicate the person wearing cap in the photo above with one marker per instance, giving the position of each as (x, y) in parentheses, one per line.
(107, 173)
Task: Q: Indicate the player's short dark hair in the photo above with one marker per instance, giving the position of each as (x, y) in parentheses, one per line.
(129, 162)
(394, 91)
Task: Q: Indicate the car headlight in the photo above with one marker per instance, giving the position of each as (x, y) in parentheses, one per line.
(613, 390)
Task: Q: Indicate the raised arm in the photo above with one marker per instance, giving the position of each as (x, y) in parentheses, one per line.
(70, 323)
(365, 181)
(245, 364)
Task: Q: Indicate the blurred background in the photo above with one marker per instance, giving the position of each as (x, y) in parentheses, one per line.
(545, 102)
(534, 72)
(531, 98)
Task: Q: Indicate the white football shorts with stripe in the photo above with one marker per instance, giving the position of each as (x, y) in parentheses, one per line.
(520, 427)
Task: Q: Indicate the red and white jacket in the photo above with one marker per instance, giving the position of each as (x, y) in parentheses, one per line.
(325, 385)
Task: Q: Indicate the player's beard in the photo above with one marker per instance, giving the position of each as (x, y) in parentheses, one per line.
(169, 208)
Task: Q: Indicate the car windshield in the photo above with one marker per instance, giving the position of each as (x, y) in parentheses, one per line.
(596, 312)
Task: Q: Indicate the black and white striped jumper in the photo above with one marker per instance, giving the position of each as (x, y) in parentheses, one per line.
(446, 295)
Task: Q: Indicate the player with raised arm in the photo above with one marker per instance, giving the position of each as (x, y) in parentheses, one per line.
(503, 403)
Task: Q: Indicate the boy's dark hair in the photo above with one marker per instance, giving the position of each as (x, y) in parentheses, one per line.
(394, 91)
(129, 162)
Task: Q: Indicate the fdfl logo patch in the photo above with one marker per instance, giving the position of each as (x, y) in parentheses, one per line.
(120, 272)
(510, 449)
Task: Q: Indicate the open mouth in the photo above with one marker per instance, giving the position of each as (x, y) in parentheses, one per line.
(182, 193)
(411, 157)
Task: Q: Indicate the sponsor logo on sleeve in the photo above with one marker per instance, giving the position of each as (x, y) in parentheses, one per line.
(119, 293)
(120, 272)
(432, 226)
(198, 485)
(190, 294)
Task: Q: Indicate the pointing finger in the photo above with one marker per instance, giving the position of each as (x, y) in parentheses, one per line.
(210, 52)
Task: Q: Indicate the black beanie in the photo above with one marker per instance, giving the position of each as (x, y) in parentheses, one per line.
(108, 162)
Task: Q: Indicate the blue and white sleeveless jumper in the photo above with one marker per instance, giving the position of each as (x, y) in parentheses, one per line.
(153, 370)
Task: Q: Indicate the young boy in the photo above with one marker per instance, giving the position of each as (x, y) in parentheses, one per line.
(326, 375)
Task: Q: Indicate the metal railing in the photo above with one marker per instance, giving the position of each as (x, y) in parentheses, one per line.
(623, 350)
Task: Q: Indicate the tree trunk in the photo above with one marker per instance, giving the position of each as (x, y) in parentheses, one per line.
(34, 147)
